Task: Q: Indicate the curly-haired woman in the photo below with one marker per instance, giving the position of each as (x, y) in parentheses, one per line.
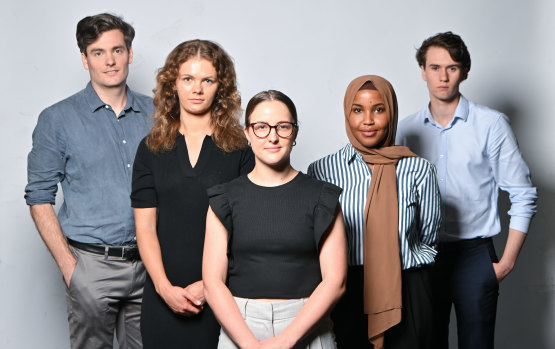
(196, 143)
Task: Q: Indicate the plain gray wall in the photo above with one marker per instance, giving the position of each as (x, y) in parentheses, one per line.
(310, 50)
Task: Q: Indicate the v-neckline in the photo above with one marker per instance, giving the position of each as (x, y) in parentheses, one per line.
(185, 161)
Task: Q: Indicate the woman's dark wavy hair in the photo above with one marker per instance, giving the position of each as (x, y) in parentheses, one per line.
(226, 107)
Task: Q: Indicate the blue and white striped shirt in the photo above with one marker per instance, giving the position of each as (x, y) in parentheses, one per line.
(418, 195)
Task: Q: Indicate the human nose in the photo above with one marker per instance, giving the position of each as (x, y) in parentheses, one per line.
(368, 118)
(443, 76)
(197, 87)
(110, 60)
(273, 136)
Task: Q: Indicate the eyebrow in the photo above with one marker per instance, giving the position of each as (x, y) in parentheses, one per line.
(205, 77)
(98, 49)
(448, 66)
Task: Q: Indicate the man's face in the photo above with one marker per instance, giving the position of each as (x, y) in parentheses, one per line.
(442, 74)
(108, 60)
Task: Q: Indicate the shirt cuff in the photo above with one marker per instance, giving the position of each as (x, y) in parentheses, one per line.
(520, 223)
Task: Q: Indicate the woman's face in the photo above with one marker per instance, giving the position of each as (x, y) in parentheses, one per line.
(368, 119)
(274, 148)
(196, 86)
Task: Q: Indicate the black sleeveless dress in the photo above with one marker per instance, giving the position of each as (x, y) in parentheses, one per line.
(168, 182)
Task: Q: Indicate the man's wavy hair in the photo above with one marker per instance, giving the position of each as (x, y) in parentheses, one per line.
(226, 107)
(91, 27)
(449, 41)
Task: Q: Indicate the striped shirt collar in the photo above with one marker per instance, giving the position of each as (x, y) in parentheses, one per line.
(349, 154)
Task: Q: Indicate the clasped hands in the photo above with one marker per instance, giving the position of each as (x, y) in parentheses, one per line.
(186, 301)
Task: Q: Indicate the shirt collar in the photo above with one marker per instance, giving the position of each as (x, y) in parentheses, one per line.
(96, 103)
(349, 153)
(460, 113)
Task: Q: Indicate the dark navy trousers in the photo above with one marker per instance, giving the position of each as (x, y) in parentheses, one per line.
(463, 276)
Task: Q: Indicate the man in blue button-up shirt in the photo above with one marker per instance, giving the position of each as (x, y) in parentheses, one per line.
(476, 154)
(87, 143)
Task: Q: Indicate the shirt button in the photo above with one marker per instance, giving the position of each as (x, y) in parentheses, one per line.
(128, 165)
(441, 156)
(441, 179)
(124, 141)
(107, 106)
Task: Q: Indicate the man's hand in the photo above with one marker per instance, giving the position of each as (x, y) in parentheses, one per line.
(67, 271)
(501, 271)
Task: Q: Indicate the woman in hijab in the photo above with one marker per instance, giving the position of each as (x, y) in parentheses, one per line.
(391, 207)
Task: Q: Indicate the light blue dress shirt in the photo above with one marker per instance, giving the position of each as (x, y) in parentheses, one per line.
(476, 154)
(418, 197)
(82, 144)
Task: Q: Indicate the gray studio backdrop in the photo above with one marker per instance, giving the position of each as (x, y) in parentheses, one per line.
(310, 50)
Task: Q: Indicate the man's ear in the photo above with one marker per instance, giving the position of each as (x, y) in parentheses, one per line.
(84, 60)
(465, 74)
(130, 55)
(423, 72)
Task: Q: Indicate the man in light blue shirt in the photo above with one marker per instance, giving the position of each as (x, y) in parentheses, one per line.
(476, 154)
(88, 142)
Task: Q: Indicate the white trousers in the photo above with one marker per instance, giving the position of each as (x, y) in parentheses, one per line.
(267, 320)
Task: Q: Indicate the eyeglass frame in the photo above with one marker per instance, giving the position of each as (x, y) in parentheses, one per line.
(294, 124)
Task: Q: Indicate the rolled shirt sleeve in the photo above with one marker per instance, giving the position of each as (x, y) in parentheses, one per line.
(45, 162)
(512, 174)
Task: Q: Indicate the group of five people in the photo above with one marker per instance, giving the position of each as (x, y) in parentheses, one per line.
(370, 248)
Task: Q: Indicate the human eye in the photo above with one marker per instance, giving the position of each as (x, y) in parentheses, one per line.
(453, 69)
(434, 67)
(187, 78)
(380, 109)
(208, 81)
(97, 53)
(285, 126)
(356, 110)
(260, 126)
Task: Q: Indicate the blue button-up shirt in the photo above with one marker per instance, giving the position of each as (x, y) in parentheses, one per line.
(82, 144)
(476, 154)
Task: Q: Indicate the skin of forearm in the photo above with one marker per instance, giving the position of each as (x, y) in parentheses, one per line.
(318, 304)
(149, 247)
(224, 307)
(51, 233)
(513, 246)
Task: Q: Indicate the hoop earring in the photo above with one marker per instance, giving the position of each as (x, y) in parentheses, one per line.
(294, 143)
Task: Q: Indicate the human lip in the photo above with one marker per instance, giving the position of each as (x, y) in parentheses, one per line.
(196, 100)
(111, 72)
(274, 149)
(368, 133)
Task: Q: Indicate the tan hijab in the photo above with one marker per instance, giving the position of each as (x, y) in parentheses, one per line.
(382, 261)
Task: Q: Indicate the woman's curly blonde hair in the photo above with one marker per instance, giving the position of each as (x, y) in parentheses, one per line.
(226, 108)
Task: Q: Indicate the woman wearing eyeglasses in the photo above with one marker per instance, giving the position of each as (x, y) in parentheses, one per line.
(196, 142)
(391, 204)
(276, 236)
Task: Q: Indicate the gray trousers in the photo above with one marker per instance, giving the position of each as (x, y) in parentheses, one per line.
(105, 293)
(267, 320)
